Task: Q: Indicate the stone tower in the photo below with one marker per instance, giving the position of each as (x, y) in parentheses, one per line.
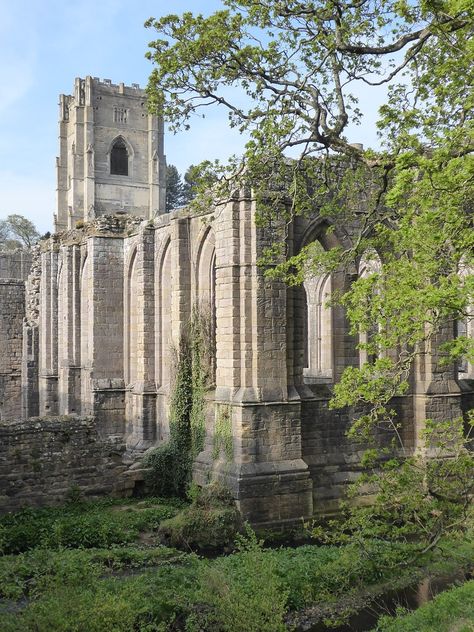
(111, 155)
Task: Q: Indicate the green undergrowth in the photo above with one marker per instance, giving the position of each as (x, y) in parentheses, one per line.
(211, 523)
(149, 589)
(169, 466)
(84, 524)
(451, 611)
(36, 572)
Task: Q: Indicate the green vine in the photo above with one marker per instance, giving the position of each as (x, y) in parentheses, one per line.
(223, 442)
(198, 386)
(170, 465)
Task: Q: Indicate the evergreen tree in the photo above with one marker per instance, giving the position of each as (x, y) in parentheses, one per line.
(174, 188)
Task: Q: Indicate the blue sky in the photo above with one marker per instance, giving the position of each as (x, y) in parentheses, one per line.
(44, 45)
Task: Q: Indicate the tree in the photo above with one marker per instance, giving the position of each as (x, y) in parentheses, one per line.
(191, 178)
(17, 231)
(301, 66)
(174, 188)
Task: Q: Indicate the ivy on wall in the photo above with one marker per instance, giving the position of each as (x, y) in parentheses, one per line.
(170, 465)
(223, 443)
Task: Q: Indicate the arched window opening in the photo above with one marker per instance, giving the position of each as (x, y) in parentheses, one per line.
(206, 302)
(319, 330)
(119, 158)
(369, 264)
(464, 327)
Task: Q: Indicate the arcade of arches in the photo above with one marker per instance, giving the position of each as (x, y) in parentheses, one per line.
(120, 291)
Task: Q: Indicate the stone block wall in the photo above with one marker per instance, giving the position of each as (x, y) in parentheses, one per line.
(43, 459)
(15, 264)
(12, 312)
(115, 297)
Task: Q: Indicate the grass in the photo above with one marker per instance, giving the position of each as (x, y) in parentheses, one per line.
(88, 567)
(84, 525)
(451, 611)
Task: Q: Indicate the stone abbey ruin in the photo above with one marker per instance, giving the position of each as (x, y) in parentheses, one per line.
(90, 318)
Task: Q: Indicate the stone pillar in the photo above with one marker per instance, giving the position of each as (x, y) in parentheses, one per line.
(181, 277)
(48, 339)
(69, 331)
(29, 372)
(141, 393)
(12, 312)
(437, 394)
(103, 389)
(88, 152)
(268, 477)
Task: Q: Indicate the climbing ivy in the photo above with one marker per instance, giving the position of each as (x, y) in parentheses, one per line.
(170, 465)
(223, 433)
(199, 380)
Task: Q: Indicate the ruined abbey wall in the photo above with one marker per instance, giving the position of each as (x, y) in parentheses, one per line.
(115, 296)
(88, 340)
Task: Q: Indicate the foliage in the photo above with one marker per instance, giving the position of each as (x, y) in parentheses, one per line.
(133, 588)
(414, 500)
(179, 192)
(190, 183)
(84, 525)
(17, 231)
(223, 438)
(451, 611)
(211, 522)
(242, 593)
(149, 602)
(170, 465)
(300, 67)
(40, 570)
(174, 188)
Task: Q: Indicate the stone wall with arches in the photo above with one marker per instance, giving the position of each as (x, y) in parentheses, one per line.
(115, 297)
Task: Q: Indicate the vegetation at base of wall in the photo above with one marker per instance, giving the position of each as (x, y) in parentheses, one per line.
(413, 499)
(409, 202)
(223, 440)
(83, 525)
(252, 590)
(210, 523)
(451, 611)
(170, 465)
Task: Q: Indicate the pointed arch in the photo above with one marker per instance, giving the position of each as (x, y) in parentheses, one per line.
(120, 156)
(205, 293)
(163, 342)
(131, 317)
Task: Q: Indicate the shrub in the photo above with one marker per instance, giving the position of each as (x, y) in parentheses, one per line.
(210, 523)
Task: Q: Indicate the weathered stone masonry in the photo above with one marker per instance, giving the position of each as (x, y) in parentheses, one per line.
(106, 302)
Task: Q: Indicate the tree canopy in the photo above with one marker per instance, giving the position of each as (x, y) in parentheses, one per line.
(179, 192)
(17, 231)
(301, 67)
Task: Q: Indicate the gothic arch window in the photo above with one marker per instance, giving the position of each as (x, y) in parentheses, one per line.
(319, 329)
(119, 158)
(318, 326)
(465, 327)
(369, 265)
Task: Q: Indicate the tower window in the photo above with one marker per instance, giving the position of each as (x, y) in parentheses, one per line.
(119, 159)
(120, 115)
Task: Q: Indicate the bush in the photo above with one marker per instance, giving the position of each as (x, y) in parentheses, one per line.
(451, 611)
(212, 522)
(79, 525)
(241, 593)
